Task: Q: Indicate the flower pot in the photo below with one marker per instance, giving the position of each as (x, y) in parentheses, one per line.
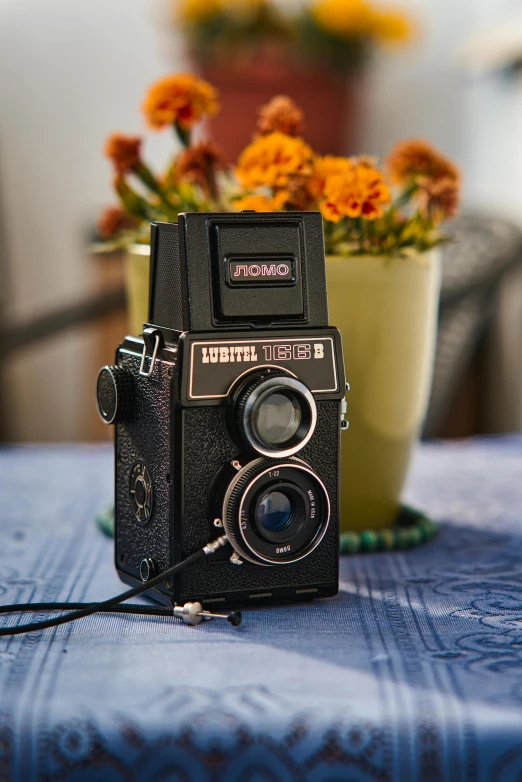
(137, 266)
(331, 102)
(386, 310)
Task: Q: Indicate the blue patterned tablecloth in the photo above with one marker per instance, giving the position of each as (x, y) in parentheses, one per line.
(414, 672)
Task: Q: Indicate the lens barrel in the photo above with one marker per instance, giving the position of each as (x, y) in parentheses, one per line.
(275, 414)
(275, 512)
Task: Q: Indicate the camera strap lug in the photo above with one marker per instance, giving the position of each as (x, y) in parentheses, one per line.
(152, 339)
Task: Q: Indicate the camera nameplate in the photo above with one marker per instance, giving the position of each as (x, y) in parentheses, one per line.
(216, 364)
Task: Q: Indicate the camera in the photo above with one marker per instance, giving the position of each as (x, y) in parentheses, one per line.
(228, 411)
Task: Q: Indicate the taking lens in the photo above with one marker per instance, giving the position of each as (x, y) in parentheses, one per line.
(277, 418)
(274, 512)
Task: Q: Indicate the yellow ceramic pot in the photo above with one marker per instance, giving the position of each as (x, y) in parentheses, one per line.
(137, 266)
(386, 310)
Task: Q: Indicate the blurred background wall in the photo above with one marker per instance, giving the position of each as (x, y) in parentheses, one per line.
(71, 72)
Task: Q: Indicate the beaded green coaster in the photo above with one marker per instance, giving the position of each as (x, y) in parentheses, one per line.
(412, 527)
(105, 521)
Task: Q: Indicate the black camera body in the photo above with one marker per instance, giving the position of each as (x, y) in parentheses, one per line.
(228, 414)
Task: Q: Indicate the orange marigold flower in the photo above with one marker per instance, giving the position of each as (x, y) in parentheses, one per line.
(324, 167)
(123, 151)
(392, 27)
(270, 160)
(343, 18)
(199, 163)
(181, 98)
(196, 11)
(262, 203)
(280, 114)
(439, 198)
(415, 157)
(113, 220)
(358, 192)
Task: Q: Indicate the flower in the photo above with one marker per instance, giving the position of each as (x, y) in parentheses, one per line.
(438, 199)
(280, 114)
(324, 167)
(181, 99)
(198, 164)
(391, 27)
(270, 160)
(358, 192)
(262, 203)
(415, 157)
(123, 151)
(195, 11)
(113, 220)
(343, 18)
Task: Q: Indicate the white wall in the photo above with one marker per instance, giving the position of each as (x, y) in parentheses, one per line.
(71, 71)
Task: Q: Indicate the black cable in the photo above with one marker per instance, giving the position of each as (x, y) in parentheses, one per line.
(112, 604)
(35, 608)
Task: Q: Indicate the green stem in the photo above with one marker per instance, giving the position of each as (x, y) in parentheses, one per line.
(183, 134)
(132, 202)
(146, 176)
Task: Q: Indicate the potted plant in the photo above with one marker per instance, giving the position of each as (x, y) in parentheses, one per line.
(315, 52)
(383, 227)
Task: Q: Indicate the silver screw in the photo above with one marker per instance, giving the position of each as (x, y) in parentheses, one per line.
(218, 523)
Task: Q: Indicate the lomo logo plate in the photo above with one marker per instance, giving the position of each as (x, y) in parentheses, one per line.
(216, 365)
(261, 271)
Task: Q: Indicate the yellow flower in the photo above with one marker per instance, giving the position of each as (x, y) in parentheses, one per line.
(182, 99)
(343, 18)
(359, 192)
(194, 11)
(392, 27)
(200, 11)
(262, 203)
(270, 160)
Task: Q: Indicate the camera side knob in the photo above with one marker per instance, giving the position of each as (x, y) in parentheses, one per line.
(115, 395)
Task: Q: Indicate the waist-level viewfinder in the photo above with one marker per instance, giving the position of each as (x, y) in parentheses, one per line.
(247, 270)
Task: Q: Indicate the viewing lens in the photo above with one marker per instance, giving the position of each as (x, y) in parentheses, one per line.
(277, 418)
(274, 512)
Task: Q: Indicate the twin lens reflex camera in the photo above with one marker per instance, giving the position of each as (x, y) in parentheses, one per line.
(228, 412)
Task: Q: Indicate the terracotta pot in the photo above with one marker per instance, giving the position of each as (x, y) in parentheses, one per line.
(331, 103)
(386, 310)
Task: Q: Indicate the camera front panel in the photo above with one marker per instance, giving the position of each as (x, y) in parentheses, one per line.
(183, 454)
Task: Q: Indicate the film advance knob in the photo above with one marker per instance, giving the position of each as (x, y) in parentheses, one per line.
(115, 394)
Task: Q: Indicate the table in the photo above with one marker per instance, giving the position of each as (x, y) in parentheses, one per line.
(414, 672)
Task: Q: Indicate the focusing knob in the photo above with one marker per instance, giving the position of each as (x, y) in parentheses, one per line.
(115, 394)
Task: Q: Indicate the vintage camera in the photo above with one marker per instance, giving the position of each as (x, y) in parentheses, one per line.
(228, 412)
